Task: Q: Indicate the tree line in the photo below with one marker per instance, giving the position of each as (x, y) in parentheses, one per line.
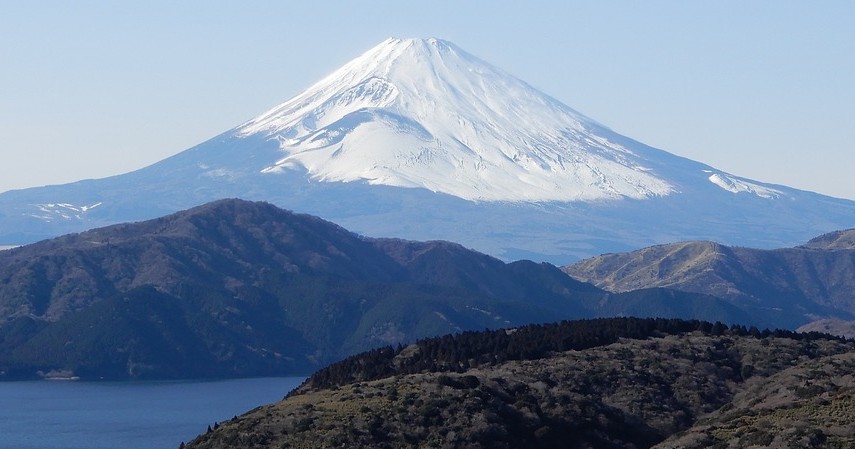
(458, 352)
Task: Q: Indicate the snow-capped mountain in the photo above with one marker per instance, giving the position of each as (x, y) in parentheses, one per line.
(418, 139)
(424, 113)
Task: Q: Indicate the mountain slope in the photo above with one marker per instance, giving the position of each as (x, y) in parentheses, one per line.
(834, 240)
(811, 405)
(424, 113)
(235, 288)
(414, 132)
(791, 285)
(832, 326)
(619, 383)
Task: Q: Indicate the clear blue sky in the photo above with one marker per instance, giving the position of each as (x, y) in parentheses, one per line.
(762, 89)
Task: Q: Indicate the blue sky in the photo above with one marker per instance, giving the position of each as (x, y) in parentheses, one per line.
(762, 89)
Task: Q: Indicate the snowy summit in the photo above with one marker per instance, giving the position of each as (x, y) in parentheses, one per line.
(418, 139)
(424, 113)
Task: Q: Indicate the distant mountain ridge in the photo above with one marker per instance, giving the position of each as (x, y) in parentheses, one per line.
(796, 285)
(238, 288)
(834, 240)
(831, 326)
(418, 139)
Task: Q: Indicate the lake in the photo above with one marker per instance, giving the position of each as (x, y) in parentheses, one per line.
(128, 415)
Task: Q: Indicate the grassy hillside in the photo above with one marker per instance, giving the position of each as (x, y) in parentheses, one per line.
(620, 383)
(786, 287)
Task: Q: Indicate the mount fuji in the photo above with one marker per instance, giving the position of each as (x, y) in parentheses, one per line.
(418, 139)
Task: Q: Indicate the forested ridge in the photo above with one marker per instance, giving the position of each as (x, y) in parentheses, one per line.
(603, 383)
(470, 349)
(237, 288)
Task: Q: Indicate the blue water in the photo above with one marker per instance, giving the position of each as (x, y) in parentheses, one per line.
(128, 415)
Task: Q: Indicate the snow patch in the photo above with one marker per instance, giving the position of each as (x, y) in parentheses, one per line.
(737, 185)
(449, 322)
(221, 173)
(489, 314)
(64, 211)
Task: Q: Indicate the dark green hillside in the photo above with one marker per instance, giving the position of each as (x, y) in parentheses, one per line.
(288, 324)
(612, 383)
(237, 288)
(148, 334)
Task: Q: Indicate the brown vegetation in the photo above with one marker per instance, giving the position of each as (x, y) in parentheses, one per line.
(630, 393)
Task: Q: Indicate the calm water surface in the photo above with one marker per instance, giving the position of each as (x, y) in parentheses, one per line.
(128, 415)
